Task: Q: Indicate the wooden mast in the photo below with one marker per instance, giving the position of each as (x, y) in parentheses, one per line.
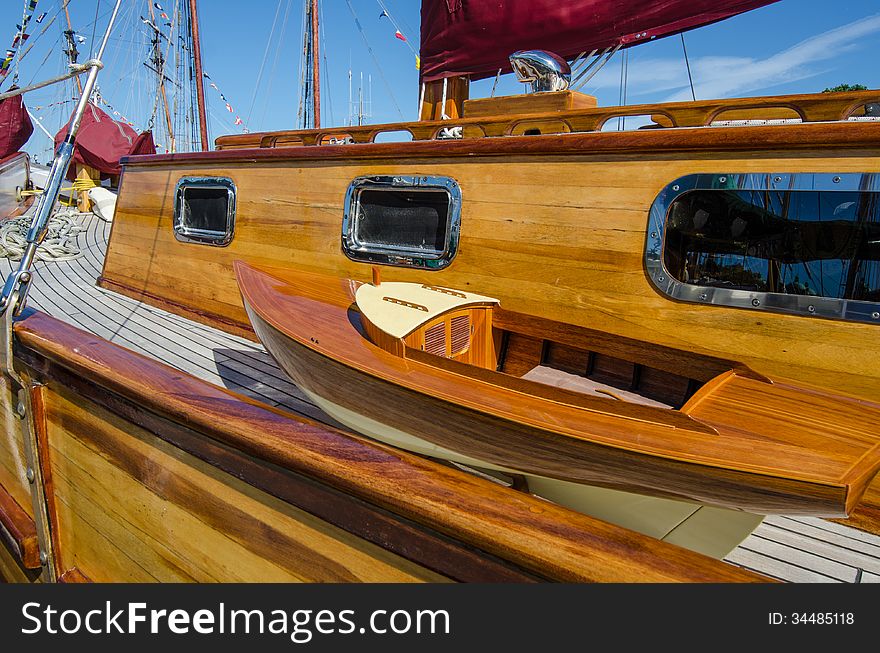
(316, 75)
(161, 72)
(200, 86)
(70, 29)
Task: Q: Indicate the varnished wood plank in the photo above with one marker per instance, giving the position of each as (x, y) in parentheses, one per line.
(796, 137)
(176, 518)
(527, 532)
(304, 320)
(18, 531)
(494, 116)
(564, 227)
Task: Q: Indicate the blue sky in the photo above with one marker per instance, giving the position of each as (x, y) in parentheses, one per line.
(793, 46)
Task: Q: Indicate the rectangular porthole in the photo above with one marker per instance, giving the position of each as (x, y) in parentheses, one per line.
(402, 220)
(204, 210)
(797, 243)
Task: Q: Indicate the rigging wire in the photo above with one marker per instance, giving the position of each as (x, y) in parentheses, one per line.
(300, 110)
(275, 61)
(624, 77)
(375, 60)
(326, 82)
(396, 26)
(263, 63)
(688, 64)
(94, 26)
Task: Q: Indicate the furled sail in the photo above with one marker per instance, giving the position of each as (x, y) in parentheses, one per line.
(474, 38)
(15, 125)
(102, 142)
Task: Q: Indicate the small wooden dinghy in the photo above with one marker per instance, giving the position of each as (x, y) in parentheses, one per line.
(457, 371)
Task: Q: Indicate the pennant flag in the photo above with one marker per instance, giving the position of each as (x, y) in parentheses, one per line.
(237, 120)
(164, 15)
(223, 97)
(80, 38)
(418, 63)
(10, 54)
(41, 17)
(3, 71)
(206, 75)
(229, 108)
(32, 5)
(400, 36)
(214, 86)
(20, 38)
(384, 13)
(158, 6)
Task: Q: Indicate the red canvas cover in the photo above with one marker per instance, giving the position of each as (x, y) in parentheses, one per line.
(15, 125)
(474, 38)
(102, 141)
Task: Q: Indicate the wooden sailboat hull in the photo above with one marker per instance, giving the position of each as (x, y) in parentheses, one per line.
(148, 474)
(310, 328)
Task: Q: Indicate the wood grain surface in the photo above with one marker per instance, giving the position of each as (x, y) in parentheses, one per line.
(553, 226)
(134, 505)
(771, 447)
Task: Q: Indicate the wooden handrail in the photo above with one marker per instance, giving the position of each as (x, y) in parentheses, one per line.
(18, 531)
(818, 107)
(241, 436)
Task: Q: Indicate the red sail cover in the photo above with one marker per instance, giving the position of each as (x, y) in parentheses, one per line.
(15, 126)
(474, 38)
(102, 141)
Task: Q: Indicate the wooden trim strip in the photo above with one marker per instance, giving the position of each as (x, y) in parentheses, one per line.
(400, 536)
(531, 534)
(19, 531)
(804, 136)
(202, 317)
(506, 116)
(38, 404)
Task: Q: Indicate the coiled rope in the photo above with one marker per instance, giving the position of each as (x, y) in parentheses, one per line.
(59, 244)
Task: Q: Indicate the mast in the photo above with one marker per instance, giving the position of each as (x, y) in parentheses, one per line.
(200, 86)
(316, 74)
(159, 63)
(71, 52)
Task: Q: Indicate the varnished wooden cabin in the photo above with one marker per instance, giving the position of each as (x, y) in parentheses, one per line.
(558, 220)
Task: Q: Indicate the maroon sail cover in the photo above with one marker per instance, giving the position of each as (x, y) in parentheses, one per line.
(474, 38)
(102, 141)
(15, 125)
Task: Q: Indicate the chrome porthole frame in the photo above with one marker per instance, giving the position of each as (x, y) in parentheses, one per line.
(393, 255)
(805, 305)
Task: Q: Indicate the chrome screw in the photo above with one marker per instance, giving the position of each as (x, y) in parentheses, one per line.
(30, 475)
(756, 302)
(811, 308)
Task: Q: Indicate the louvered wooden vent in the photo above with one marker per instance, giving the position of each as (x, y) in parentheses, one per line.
(435, 340)
(460, 334)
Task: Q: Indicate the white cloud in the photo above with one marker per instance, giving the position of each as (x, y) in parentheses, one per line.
(718, 77)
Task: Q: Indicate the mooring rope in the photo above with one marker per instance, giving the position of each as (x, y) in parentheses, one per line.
(59, 244)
